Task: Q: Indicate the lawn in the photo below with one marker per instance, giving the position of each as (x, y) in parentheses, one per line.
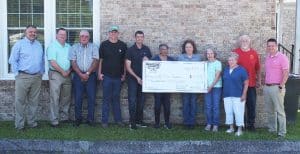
(113, 132)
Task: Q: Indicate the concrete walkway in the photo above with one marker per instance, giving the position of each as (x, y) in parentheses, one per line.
(55, 146)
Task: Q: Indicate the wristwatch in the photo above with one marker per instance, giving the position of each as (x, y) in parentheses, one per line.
(279, 87)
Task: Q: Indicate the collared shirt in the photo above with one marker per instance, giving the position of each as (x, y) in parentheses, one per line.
(212, 69)
(274, 66)
(185, 57)
(233, 83)
(60, 54)
(250, 61)
(84, 55)
(27, 56)
(136, 55)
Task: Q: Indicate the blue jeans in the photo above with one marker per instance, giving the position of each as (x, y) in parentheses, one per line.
(250, 106)
(136, 101)
(90, 88)
(189, 108)
(162, 99)
(111, 94)
(212, 106)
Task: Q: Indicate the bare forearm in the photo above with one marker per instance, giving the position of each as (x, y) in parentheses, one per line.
(94, 66)
(56, 66)
(285, 77)
(75, 67)
(245, 89)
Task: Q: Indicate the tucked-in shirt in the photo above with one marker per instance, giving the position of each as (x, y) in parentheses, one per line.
(212, 69)
(27, 56)
(185, 57)
(60, 54)
(84, 55)
(274, 66)
(136, 55)
(157, 58)
(250, 61)
(233, 83)
(113, 57)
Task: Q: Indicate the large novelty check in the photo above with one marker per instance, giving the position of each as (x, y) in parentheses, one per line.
(174, 76)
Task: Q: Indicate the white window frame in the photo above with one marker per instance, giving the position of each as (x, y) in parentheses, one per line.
(49, 33)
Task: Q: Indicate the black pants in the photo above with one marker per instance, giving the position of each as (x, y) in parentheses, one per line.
(250, 107)
(162, 99)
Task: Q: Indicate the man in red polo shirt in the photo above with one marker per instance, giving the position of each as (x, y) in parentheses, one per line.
(277, 71)
(249, 59)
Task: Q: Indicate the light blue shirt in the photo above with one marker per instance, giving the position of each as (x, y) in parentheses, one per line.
(184, 57)
(84, 55)
(60, 54)
(212, 68)
(27, 56)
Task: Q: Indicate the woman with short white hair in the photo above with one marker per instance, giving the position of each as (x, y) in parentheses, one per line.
(235, 85)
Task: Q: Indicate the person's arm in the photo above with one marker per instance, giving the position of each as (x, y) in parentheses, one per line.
(217, 77)
(100, 75)
(75, 67)
(245, 89)
(54, 64)
(258, 72)
(93, 67)
(131, 72)
(285, 74)
(123, 77)
(14, 58)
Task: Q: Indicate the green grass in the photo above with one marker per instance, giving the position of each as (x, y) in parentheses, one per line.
(85, 132)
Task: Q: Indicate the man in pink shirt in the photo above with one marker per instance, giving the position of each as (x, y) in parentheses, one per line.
(277, 69)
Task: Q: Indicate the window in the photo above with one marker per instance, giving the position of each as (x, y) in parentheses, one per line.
(47, 15)
(74, 15)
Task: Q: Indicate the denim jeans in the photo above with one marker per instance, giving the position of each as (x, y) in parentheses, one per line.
(136, 101)
(111, 94)
(90, 88)
(162, 99)
(212, 106)
(189, 108)
(250, 106)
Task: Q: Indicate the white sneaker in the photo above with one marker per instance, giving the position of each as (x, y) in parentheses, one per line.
(207, 128)
(215, 129)
(239, 133)
(230, 130)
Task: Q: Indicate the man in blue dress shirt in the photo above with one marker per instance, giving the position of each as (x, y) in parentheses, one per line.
(27, 61)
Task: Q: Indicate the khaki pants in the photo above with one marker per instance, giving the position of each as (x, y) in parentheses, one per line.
(274, 104)
(27, 91)
(60, 97)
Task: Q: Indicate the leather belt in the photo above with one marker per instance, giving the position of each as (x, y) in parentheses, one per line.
(23, 72)
(272, 84)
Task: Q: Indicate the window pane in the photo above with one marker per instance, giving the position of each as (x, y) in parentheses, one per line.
(12, 6)
(25, 6)
(38, 6)
(13, 20)
(25, 19)
(74, 20)
(62, 20)
(38, 20)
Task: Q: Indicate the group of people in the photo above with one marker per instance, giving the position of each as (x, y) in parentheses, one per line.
(113, 62)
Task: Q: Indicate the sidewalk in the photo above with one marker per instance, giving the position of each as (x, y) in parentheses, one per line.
(55, 146)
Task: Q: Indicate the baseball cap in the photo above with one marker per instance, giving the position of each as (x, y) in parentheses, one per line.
(113, 28)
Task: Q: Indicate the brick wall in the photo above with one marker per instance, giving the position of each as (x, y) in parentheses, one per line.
(214, 22)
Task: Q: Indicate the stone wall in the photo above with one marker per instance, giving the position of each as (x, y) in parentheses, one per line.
(215, 22)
